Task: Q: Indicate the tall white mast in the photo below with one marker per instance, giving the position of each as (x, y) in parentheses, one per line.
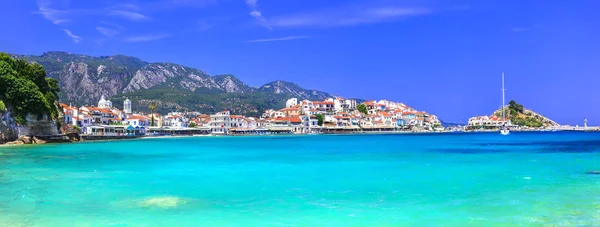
(503, 101)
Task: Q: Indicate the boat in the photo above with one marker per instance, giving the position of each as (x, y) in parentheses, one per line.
(504, 130)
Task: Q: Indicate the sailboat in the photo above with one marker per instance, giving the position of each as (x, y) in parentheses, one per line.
(504, 130)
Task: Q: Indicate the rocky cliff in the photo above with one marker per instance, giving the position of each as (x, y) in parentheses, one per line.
(8, 128)
(83, 79)
(289, 88)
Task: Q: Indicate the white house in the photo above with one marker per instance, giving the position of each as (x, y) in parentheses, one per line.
(220, 123)
(348, 105)
(175, 121)
(307, 106)
(67, 113)
(291, 102)
(137, 120)
(238, 121)
(82, 121)
(325, 106)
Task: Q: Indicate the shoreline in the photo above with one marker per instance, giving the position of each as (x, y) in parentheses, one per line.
(123, 138)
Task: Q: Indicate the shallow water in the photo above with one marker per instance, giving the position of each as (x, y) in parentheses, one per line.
(525, 179)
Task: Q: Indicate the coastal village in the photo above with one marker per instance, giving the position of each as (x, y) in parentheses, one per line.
(332, 115)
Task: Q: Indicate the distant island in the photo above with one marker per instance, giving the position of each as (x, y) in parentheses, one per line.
(515, 115)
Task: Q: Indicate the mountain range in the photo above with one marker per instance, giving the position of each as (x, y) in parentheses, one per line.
(84, 79)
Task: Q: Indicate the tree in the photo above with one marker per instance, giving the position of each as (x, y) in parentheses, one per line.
(193, 125)
(152, 107)
(362, 108)
(2, 107)
(513, 105)
(24, 87)
(320, 119)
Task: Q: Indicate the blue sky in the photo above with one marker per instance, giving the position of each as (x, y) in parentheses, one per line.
(442, 56)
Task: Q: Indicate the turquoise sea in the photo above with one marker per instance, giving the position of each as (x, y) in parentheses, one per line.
(477, 179)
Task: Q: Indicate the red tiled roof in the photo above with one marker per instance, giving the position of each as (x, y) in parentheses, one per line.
(290, 119)
(289, 109)
(323, 103)
(137, 118)
(385, 114)
(91, 108)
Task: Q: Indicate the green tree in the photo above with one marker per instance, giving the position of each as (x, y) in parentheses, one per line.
(152, 107)
(193, 125)
(53, 85)
(2, 106)
(362, 108)
(513, 105)
(320, 119)
(24, 86)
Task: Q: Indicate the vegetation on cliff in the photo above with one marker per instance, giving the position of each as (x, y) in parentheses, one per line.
(25, 88)
(520, 116)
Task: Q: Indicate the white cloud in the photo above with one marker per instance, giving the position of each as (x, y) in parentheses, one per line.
(75, 38)
(251, 3)
(146, 38)
(108, 32)
(60, 21)
(348, 16)
(53, 15)
(254, 12)
(129, 15)
(277, 39)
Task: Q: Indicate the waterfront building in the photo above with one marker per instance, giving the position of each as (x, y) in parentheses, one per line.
(220, 122)
(82, 121)
(238, 121)
(137, 120)
(294, 124)
(486, 121)
(67, 114)
(175, 120)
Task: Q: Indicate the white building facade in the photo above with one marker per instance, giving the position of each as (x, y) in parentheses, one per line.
(127, 106)
(220, 123)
